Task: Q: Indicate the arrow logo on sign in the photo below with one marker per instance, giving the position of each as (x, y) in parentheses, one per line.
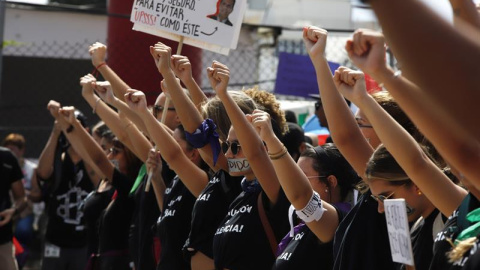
(216, 28)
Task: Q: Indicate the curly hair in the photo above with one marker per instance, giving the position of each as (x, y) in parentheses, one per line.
(268, 103)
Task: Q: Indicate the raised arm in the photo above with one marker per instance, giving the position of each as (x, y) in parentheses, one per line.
(406, 151)
(128, 119)
(45, 161)
(342, 124)
(459, 149)
(154, 165)
(107, 114)
(423, 43)
(79, 137)
(252, 145)
(294, 182)
(194, 178)
(189, 115)
(98, 53)
(183, 70)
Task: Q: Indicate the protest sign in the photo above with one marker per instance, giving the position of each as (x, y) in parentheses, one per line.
(198, 21)
(398, 231)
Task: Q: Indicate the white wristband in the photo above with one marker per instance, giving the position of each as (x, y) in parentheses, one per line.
(313, 210)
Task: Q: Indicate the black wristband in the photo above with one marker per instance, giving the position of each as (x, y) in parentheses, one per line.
(69, 129)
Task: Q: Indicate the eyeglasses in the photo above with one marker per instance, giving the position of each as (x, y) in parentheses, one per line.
(381, 198)
(159, 108)
(234, 147)
(318, 104)
(114, 151)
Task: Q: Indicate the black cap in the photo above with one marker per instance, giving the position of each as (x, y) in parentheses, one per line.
(293, 138)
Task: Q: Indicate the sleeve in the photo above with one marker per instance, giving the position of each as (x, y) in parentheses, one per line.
(14, 172)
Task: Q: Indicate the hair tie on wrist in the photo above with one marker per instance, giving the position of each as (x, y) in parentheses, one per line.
(95, 71)
(69, 129)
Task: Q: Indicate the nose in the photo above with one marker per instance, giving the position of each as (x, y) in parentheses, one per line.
(380, 208)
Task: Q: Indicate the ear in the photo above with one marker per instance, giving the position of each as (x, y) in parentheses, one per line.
(302, 147)
(332, 181)
(417, 190)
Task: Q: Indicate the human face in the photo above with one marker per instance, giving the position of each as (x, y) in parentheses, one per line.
(382, 189)
(226, 7)
(367, 129)
(106, 145)
(320, 113)
(117, 154)
(237, 161)
(171, 120)
(306, 164)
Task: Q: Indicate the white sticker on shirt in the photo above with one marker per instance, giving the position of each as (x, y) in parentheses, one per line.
(52, 251)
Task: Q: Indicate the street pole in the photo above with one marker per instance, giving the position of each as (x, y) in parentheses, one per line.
(2, 24)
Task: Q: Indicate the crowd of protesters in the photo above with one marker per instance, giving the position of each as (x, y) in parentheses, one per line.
(226, 182)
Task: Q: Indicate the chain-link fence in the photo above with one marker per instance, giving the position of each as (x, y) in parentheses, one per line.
(35, 73)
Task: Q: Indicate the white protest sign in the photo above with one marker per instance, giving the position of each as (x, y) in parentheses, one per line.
(208, 24)
(398, 231)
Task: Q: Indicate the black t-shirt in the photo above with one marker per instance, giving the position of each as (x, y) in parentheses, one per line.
(422, 235)
(116, 218)
(305, 251)
(209, 210)
(174, 225)
(240, 242)
(93, 206)
(455, 224)
(66, 225)
(145, 215)
(10, 172)
(473, 255)
(361, 240)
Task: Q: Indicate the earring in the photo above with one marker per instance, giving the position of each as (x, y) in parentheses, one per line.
(419, 192)
(326, 190)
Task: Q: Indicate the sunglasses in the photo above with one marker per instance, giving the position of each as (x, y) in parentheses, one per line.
(159, 108)
(381, 198)
(233, 146)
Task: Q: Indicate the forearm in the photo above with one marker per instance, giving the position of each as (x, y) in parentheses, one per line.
(118, 85)
(342, 124)
(78, 136)
(198, 96)
(406, 151)
(45, 161)
(427, 56)
(185, 108)
(159, 189)
(135, 118)
(253, 148)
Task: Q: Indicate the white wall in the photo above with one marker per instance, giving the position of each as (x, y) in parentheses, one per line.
(47, 28)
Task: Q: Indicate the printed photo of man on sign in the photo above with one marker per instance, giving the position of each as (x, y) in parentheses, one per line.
(224, 8)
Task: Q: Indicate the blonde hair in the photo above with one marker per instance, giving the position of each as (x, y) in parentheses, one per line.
(460, 249)
(215, 110)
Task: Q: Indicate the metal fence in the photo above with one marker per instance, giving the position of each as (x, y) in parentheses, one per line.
(35, 73)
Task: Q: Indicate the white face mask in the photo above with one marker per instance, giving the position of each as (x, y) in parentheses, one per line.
(238, 165)
(115, 163)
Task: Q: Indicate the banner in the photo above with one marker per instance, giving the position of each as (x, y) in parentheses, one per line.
(209, 24)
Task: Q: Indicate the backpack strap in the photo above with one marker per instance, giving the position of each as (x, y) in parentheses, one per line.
(266, 225)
